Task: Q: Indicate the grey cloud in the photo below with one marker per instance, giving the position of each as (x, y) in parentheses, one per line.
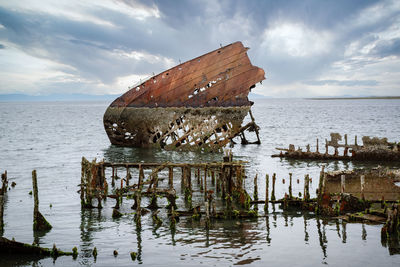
(2, 46)
(387, 48)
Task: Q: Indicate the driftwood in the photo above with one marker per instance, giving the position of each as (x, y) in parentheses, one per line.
(17, 248)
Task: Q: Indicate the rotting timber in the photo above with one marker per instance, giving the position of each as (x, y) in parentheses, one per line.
(197, 105)
(377, 149)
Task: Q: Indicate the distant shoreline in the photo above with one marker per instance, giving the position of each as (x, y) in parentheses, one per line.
(352, 98)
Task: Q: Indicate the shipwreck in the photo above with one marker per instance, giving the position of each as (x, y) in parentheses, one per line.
(197, 105)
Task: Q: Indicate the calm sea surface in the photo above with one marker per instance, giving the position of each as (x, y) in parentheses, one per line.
(52, 137)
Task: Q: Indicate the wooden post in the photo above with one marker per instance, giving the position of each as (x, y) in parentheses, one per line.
(201, 182)
(218, 185)
(3, 191)
(141, 177)
(223, 182)
(255, 196)
(205, 183)
(35, 194)
(290, 186)
(317, 146)
(212, 177)
(113, 177)
(355, 140)
(128, 175)
(326, 146)
(306, 196)
(1, 215)
(273, 187)
(189, 178)
(170, 177)
(82, 183)
(266, 192)
(320, 183)
(183, 178)
(342, 183)
(207, 205)
(138, 204)
(323, 184)
(362, 181)
(198, 176)
(39, 222)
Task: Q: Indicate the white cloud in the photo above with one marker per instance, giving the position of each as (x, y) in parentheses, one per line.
(82, 10)
(296, 40)
(23, 73)
(138, 56)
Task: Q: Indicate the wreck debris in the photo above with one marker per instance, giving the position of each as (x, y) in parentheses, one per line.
(18, 248)
(372, 149)
(197, 105)
(229, 176)
(39, 222)
(373, 184)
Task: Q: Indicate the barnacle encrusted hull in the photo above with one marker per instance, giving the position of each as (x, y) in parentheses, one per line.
(199, 104)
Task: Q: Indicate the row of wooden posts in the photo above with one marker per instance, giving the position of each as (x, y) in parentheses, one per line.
(227, 178)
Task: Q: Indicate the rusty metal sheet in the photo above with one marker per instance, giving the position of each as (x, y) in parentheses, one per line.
(222, 77)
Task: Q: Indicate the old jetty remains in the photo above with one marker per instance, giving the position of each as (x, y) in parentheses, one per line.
(156, 180)
(372, 149)
(197, 105)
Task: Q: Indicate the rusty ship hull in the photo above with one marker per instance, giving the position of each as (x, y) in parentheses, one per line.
(197, 105)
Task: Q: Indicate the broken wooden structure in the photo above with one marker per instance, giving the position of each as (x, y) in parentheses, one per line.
(372, 149)
(197, 105)
(214, 179)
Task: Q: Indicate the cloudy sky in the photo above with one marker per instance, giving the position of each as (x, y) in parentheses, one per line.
(307, 48)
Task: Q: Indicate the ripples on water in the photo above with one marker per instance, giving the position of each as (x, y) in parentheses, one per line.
(52, 137)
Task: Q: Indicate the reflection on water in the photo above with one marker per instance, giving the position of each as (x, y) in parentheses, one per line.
(237, 241)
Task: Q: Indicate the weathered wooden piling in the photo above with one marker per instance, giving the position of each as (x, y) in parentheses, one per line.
(326, 146)
(39, 222)
(320, 183)
(207, 209)
(255, 195)
(205, 183)
(306, 195)
(273, 187)
(198, 176)
(362, 184)
(212, 177)
(3, 191)
(170, 177)
(290, 186)
(317, 149)
(128, 176)
(1, 214)
(113, 177)
(342, 183)
(82, 185)
(218, 183)
(266, 192)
